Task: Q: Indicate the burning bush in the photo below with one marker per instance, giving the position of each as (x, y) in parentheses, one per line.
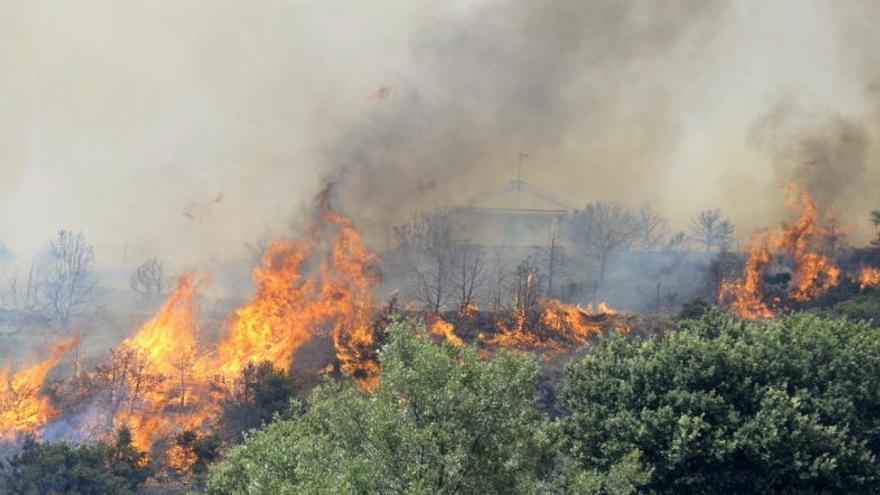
(812, 273)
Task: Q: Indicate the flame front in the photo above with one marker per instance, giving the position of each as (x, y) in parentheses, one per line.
(869, 277)
(166, 386)
(279, 319)
(23, 407)
(443, 328)
(292, 306)
(813, 272)
(558, 326)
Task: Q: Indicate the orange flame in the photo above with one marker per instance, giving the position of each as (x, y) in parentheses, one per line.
(291, 307)
(868, 277)
(443, 328)
(560, 325)
(813, 275)
(167, 345)
(22, 405)
(748, 293)
(279, 319)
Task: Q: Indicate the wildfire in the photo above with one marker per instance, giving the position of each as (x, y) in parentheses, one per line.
(869, 276)
(279, 319)
(162, 380)
(291, 305)
(443, 328)
(349, 283)
(813, 272)
(168, 375)
(557, 326)
(22, 404)
(748, 293)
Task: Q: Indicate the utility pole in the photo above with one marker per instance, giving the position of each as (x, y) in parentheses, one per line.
(522, 158)
(658, 296)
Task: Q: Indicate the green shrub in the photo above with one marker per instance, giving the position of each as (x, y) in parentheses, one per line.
(442, 420)
(722, 406)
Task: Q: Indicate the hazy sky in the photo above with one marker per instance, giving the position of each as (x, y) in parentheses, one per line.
(184, 129)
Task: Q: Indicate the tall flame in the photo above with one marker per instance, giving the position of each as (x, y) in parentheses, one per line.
(168, 348)
(292, 306)
(23, 407)
(813, 272)
(279, 319)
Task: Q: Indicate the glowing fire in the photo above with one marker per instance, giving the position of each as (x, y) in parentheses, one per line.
(292, 306)
(869, 277)
(443, 328)
(22, 404)
(813, 274)
(748, 293)
(160, 381)
(558, 326)
(279, 319)
(164, 391)
(349, 284)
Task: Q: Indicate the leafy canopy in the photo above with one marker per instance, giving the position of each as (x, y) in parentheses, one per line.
(442, 420)
(722, 406)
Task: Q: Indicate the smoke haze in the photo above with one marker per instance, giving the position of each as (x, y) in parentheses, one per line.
(185, 129)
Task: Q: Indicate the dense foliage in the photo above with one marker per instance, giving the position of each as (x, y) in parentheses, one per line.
(261, 392)
(722, 406)
(862, 307)
(49, 468)
(442, 420)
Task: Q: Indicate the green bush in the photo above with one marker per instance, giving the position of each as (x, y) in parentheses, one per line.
(722, 406)
(860, 308)
(56, 468)
(694, 309)
(442, 420)
(256, 396)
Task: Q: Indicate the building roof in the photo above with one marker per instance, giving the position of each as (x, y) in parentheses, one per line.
(518, 195)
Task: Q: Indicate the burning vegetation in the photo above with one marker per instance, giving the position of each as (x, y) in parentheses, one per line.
(165, 380)
(23, 407)
(164, 387)
(792, 254)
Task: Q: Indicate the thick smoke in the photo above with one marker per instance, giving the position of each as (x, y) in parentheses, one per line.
(184, 130)
(582, 88)
(830, 158)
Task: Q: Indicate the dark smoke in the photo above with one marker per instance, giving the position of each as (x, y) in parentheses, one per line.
(827, 155)
(581, 87)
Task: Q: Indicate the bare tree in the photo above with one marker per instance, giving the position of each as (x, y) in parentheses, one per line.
(427, 243)
(125, 379)
(24, 297)
(66, 280)
(149, 279)
(527, 283)
(677, 243)
(553, 254)
(498, 285)
(650, 229)
(603, 229)
(184, 365)
(712, 231)
(721, 268)
(468, 273)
